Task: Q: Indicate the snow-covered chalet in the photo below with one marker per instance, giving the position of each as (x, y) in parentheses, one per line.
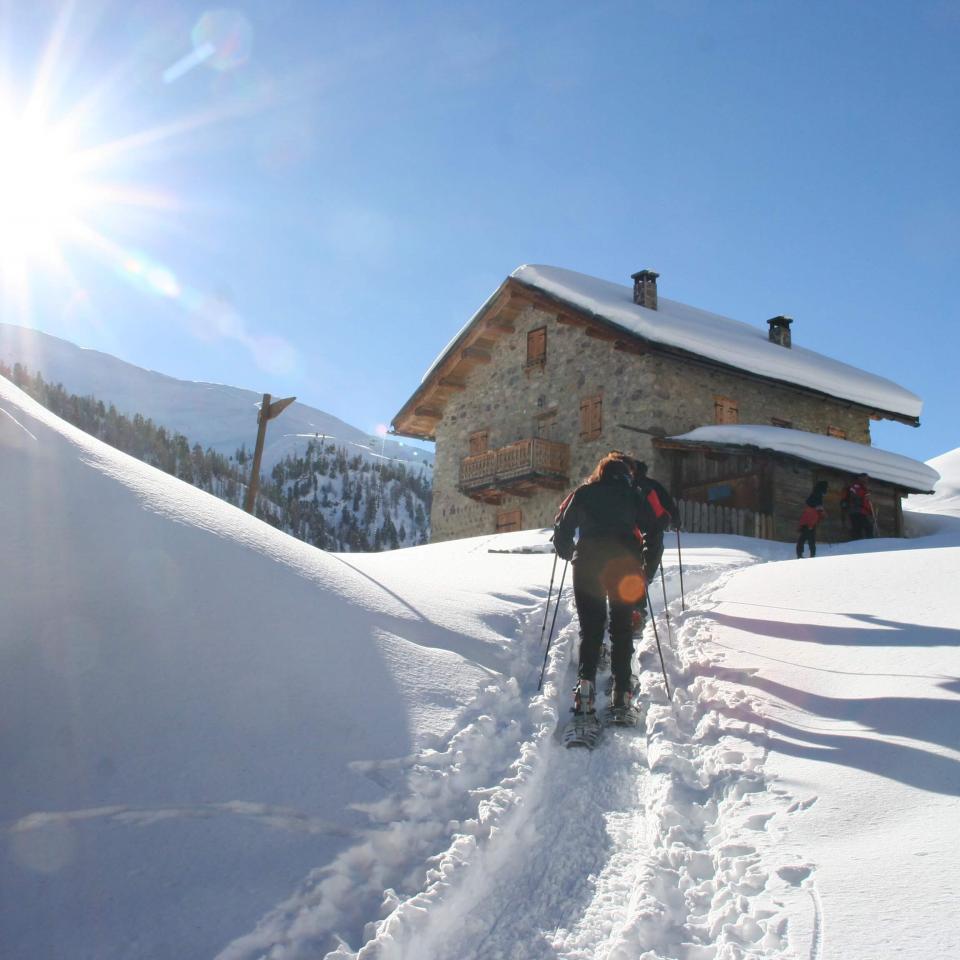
(558, 368)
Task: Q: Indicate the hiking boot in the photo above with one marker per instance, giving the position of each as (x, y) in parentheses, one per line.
(624, 706)
(624, 697)
(584, 697)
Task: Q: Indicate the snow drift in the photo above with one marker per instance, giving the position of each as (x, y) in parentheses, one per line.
(219, 742)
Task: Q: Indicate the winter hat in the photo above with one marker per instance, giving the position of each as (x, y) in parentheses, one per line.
(616, 470)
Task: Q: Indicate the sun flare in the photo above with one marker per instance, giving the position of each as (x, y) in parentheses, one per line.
(43, 194)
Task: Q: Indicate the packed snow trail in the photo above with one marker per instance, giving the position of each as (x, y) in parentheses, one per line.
(613, 853)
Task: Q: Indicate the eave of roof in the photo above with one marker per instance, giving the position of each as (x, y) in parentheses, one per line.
(842, 455)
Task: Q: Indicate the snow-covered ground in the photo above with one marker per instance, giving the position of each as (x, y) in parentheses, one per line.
(218, 742)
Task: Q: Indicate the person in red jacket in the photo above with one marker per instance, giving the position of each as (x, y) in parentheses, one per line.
(813, 513)
(858, 506)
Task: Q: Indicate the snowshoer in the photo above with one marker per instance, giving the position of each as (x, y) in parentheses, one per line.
(608, 567)
(812, 514)
(858, 506)
(664, 509)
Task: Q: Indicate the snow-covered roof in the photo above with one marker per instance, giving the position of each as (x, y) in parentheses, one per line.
(719, 338)
(826, 451)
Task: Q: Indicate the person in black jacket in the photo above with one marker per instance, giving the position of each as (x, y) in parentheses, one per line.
(611, 516)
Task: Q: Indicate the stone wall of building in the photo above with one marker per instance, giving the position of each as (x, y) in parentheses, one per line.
(643, 396)
(688, 390)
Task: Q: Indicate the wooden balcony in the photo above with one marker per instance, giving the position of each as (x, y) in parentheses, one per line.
(518, 469)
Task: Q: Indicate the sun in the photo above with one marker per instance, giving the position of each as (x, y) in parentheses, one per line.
(43, 192)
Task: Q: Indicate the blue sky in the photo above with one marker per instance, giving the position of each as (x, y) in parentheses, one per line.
(334, 188)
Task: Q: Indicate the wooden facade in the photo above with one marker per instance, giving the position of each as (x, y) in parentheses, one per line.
(774, 485)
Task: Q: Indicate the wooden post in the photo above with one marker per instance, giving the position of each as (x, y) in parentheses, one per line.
(268, 411)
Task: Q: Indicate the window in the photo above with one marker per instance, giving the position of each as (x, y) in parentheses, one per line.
(479, 442)
(545, 423)
(777, 422)
(836, 432)
(537, 347)
(591, 417)
(509, 520)
(726, 410)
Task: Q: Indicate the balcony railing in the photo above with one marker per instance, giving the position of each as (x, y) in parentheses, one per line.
(518, 468)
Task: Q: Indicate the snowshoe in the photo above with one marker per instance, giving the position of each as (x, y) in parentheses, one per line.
(583, 730)
(625, 707)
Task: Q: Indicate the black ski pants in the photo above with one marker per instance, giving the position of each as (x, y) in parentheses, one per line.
(607, 574)
(808, 535)
(861, 526)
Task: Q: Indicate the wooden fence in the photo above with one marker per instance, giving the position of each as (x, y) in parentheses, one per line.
(713, 518)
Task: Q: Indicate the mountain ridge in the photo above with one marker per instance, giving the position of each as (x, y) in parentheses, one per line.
(219, 416)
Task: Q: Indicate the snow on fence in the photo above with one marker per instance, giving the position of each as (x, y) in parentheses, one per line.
(713, 518)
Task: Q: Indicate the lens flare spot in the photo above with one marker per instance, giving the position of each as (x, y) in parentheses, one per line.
(623, 578)
(230, 36)
(632, 588)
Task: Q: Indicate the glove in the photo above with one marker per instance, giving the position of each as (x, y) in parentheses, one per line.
(563, 546)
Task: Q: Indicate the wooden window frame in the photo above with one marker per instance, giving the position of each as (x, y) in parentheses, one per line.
(723, 408)
(591, 416)
(536, 354)
(479, 442)
(509, 521)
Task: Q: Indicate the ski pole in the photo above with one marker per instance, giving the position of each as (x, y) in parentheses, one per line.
(556, 607)
(656, 635)
(549, 593)
(666, 609)
(683, 605)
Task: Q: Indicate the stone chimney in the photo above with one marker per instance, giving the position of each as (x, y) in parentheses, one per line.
(780, 330)
(645, 289)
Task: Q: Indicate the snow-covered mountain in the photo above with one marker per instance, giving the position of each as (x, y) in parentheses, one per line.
(218, 742)
(221, 417)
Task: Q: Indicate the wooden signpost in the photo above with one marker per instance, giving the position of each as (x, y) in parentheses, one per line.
(268, 411)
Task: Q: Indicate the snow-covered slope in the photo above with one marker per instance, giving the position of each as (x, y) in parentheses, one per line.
(183, 691)
(213, 415)
(219, 742)
(945, 498)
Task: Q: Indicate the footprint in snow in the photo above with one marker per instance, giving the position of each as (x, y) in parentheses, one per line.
(795, 874)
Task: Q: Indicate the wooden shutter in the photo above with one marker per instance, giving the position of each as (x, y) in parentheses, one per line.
(726, 410)
(537, 347)
(591, 417)
(479, 441)
(509, 520)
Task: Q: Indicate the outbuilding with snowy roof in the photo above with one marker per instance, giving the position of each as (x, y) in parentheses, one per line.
(745, 477)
